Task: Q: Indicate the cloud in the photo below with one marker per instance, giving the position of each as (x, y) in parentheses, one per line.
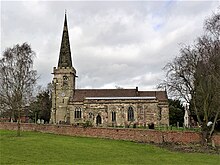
(112, 43)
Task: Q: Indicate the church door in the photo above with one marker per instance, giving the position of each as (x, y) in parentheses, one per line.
(98, 120)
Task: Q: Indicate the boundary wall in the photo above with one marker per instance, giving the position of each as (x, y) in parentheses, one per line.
(130, 134)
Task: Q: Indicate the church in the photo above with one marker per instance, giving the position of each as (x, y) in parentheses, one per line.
(101, 107)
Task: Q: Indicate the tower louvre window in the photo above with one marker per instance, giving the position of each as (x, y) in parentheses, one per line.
(65, 80)
(78, 113)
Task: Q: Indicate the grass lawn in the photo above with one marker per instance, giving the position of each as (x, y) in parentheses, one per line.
(42, 149)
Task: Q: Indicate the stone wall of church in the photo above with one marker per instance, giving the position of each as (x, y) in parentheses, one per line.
(145, 112)
(164, 113)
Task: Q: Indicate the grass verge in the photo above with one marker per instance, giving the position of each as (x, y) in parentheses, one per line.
(39, 148)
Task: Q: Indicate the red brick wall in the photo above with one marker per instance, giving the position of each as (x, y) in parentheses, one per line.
(138, 135)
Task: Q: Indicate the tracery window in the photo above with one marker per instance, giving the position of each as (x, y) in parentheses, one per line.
(130, 114)
(90, 115)
(78, 113)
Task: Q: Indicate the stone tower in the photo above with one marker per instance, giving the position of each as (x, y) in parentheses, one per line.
(63, 81)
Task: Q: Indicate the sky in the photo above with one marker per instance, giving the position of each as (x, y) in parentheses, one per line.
(113, 44)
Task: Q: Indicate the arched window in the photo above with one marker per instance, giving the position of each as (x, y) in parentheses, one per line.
(78, 113)
(65, 80)
(98, 120)
(113, 116)
(130, 114)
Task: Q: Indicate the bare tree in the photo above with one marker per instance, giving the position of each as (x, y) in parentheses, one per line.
(17, 79)
(180, 78)
(206, 96)
(195, 76)
(212, 25)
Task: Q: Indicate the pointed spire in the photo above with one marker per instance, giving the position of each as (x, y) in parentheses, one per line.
(65, 53)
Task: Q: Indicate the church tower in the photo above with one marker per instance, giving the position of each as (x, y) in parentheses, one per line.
(63, 81)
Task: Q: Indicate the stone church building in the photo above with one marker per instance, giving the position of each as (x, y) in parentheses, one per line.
(101, 107)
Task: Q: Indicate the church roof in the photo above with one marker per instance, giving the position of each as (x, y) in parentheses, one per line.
(65, 53)
(81, 94)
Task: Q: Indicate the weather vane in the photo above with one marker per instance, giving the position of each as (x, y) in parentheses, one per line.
(65, 11)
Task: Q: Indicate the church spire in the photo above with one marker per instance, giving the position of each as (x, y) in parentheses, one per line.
(65, 53)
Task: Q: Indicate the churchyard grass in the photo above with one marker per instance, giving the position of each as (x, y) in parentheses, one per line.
(39, 148)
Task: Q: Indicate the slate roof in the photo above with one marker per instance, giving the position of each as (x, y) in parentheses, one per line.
(81, 94)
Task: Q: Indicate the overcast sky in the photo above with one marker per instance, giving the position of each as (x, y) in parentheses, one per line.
(114, 43)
